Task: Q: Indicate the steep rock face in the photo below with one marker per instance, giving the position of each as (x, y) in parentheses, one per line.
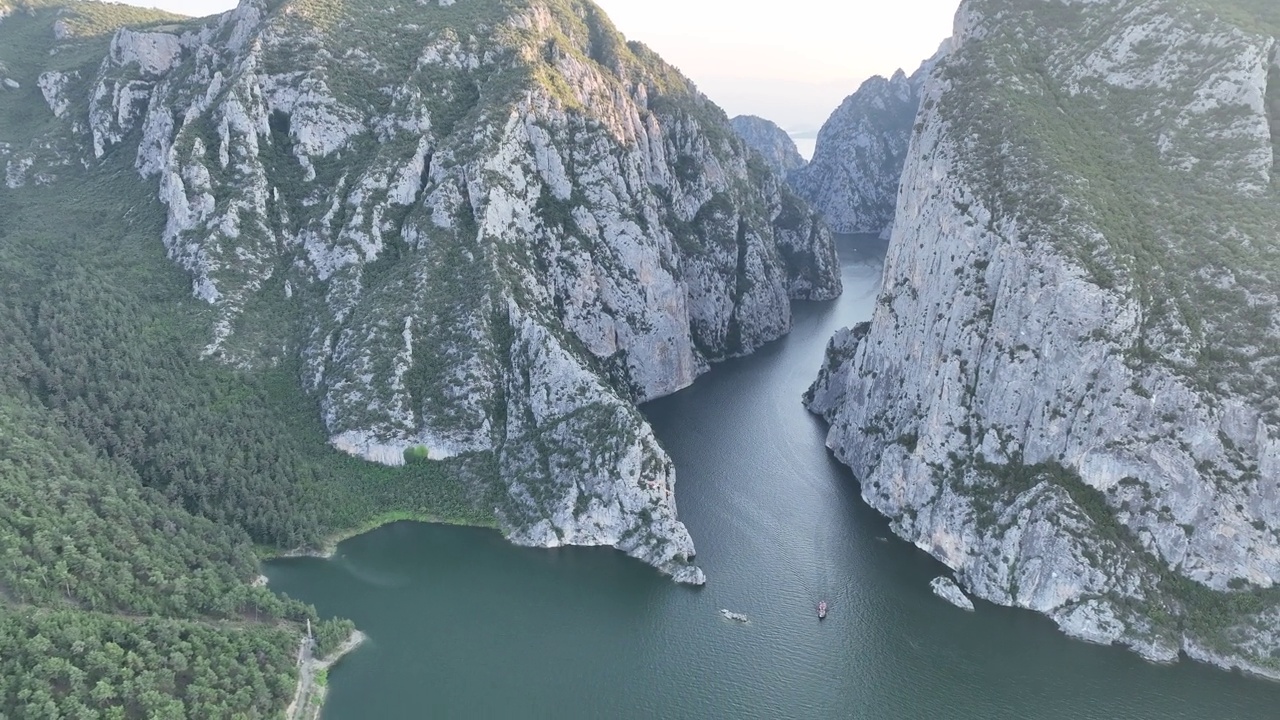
(772, 142)
(852, 180)
(498, 227)
(1068, 391)
(6, 82)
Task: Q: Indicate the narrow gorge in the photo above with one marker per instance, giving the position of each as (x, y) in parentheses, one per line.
(276, 280)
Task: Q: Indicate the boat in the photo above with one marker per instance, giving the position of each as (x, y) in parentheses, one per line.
(822, 609)
(736, 617)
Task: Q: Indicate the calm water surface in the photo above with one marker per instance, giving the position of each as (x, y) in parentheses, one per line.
(462, 625)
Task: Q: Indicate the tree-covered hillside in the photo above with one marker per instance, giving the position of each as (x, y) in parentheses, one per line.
(1073, 371)
(136, 478)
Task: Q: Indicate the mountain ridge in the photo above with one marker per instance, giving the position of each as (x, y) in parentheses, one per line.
(1057, 413)
(247, 255)
(561, 210)
(852, 179)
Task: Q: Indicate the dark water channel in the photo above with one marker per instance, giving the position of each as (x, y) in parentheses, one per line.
(462, 625)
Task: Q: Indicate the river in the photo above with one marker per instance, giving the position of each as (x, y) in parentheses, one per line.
(463, 625)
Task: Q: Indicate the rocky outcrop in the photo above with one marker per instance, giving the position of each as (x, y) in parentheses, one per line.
(946, 588)
(852, 180)
(1068, 390)
(772, 142)
(53, 85)
(499, 225)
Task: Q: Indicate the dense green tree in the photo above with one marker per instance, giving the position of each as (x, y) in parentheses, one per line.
(73, 664)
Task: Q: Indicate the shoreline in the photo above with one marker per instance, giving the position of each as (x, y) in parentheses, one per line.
(313, 685)
(330, 544)
(1188, 649)
(686, 573)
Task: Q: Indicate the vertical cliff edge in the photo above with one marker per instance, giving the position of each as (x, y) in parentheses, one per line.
(1070, 388)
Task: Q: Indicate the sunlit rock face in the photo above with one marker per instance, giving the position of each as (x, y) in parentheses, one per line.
(1070, 389)
(772, 142)
(498, 227)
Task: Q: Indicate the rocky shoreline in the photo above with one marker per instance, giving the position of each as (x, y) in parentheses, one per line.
(1012, 406)
(947, 589)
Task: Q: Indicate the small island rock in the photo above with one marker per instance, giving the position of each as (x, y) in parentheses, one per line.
(947, 589)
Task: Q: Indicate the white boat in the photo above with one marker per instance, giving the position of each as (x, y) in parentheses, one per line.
(737, 617)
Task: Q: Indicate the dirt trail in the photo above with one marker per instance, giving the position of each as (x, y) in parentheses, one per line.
(309, 697)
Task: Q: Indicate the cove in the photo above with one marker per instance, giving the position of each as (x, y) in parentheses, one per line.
(463, 625)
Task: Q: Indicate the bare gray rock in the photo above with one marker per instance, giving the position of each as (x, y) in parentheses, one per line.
(946, 588)
(772, 142)
(1018, 406)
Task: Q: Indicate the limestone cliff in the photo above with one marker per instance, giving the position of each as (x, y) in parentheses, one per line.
(487, 229)
(1070, 389)
(772, 142)
(852, 180)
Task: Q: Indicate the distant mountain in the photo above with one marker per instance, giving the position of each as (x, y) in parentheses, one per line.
(772, 142)
(852, 179)
(278, 275)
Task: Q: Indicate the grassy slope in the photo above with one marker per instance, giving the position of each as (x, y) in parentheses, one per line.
(115, 258)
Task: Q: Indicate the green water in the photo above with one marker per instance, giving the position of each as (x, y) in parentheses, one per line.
(462, 625)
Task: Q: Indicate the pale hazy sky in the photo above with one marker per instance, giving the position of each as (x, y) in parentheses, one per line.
(791, 61)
